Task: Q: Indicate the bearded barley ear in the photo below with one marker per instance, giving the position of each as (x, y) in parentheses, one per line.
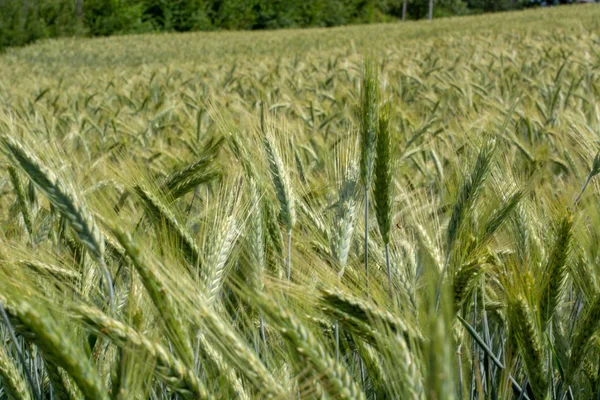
(256, 237)
(62, 385)
(299, 165)
(31, 196)
(344, 305)
(523, 325)
(224, 369)
(369, 120)
(501, 216)
(383, 175)
(238, 352)
(21, 198)
(256, 247)
(556, 269)
(66, 202)
(281, 182)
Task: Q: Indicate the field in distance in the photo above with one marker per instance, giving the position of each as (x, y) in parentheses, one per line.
(394, 211)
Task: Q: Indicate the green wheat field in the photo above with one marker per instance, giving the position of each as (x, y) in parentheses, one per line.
(396, 211)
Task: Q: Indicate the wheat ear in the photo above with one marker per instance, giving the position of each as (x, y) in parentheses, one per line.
(66, 202)
(521, 321)
(170, 369)
(58, 347)
(283, 190)
(369, 119)
(343, 224)
(554, 275)
(160, 213)
(383, 187)
(337, 381)
(161, 297)
(22, 200)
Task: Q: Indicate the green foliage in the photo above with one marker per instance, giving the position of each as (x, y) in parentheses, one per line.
(23, 22)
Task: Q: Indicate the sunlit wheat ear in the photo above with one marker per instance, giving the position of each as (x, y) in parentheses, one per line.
(13, 382)
(336, 379)
(345, 217)
(383, 186)
(217, 253)
(283, 189)
(21, 198)
(256, 236)
(161, 297)
(169, 369)
(161, 214)
(556, 270)
(65, 201)
(528, 338)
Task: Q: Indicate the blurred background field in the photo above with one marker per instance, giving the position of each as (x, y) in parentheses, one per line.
(193, 215)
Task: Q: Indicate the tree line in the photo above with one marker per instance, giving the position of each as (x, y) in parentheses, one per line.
(25, 21)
